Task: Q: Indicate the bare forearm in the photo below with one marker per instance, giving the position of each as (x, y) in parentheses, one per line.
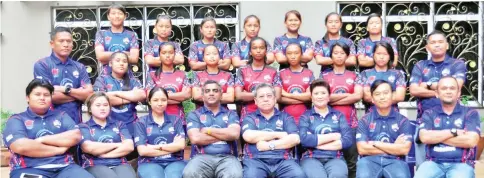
(98, 148)
(135, 95)
(81, 93)
(434, 136)
(336, 97)
(421, 92)
(286, 142)
(174, 146)
(197, 66)
(334, 146)
(254, 136)
(179, 59)
(64, 139)
(393, 148)
(270, 58)
(237, 62)
(180, 96)
(115, 100)
(368, 149)
(61, 98)
(367, 96)
(350, 61)
(300, 97)
(225, 134)
(307, 56)
(225, 65)
(149, 151)
(324, 139)
(103, 56)
(324, 61)
(365, 61)
(153, 61)
(280, 58)
(351, 99)
(32, 148)
(286, 100)
(463, 141)
(245, 96)
(227, 98)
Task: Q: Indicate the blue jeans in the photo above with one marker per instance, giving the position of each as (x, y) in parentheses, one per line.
(278, 168)
(379, 166)
(444, 170)
(220, 166)
(323, 168)
(161, 170)
(71, 171)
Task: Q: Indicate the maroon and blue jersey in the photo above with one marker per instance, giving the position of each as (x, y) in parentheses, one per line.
(296, 83)
(313, 124)
(114, 42)
(32, 126)
(323, 47)
(366, 45)
(430, 71)
(152, 47)
(147, 131)
(247, 78)
(279, 122)
(281, 42)
(462, 118)
(172, 82)
(339, 84)
(71, 73)
(126, 112)
(204, 118)
(112, 132)
(197, 48)
(242, 49)
(374, 127)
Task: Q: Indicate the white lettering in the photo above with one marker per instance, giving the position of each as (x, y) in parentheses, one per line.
(444, 149)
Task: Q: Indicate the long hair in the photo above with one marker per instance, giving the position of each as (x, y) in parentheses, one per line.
(251, 59)
(160, 69)
(389, 49)
(326, 36)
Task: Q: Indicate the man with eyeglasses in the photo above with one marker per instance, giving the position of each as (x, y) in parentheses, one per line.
(270, 135)
(212, 130)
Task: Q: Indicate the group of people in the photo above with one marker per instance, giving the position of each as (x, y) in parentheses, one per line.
(290, 124)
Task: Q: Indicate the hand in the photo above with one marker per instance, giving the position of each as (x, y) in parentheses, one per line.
(335, 136)
(284, 93)
(59, 88)
(262, 146)
(460, 132)
(434, 86)
(39, 139)
(401, 139)
(61, 150)
(243, 62)
(369, 58)
(178, 138)
(204, 130)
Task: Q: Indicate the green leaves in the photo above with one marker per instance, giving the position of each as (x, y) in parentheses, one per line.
(5, 115)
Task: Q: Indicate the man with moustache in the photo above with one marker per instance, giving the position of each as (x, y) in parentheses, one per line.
(451, 132)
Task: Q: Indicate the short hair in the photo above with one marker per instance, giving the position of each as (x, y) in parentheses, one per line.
(436, 32)
(449, 77)
(153, 91)
(38, 83)
(117, 6)
(377, 83)
(162, 17)
(59, 29)
(373, 15)
(389, 49)
(345, 47)
(295, 12)
(319, 83)
(264, 85)
(208, 82)
(90, 99)
(294, 44)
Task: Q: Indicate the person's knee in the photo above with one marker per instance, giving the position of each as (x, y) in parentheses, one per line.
(400, 173)
(79, 172)
(191, 171)
(364, 173)
(296, 172)
(231, 173)
(314, 173)
(150, 170)
(338, 174)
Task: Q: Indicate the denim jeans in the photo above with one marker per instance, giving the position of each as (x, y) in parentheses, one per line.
(379, 166)
(444, 170)
(70, 171)
(278, 168)
(207, 166)
(324, 168)
(161, 170)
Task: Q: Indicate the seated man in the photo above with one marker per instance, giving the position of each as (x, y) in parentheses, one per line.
(270, 135)
(451, 132)
(213, 129)
(383, 137)
(39, 138)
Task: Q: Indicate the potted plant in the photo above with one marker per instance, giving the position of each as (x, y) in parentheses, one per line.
(5, 154)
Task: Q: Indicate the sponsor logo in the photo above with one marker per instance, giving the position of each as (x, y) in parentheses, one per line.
(29, 124)
(57, 123)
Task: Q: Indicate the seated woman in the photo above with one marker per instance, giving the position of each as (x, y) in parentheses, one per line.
(160, 139)
(105, 141)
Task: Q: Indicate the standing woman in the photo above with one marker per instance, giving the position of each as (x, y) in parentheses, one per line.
(160, 139)
(241, 49)
(123, 90)
(295, 83)
(366, 46)
(105, 141)
(257, 71)
(152, 47)
(173, 81)
(116, 38)
(225, 79)
(322, 48)
(383, 58)
(293, 23)
(343, 96)
(208, 30)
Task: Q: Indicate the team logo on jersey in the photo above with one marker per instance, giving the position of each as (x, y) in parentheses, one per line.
(156, 47)
(437, 122)
(285, 42)
(107, 39)
(445, 72)
(109, 87)
(426, 71)
(225, 119)
(295, 89)
(55, 72)
(243, 47)
(350, 81)
(75, 74)
(368, 48)
(311, 119)
(116, 130)
(279, 124)
(170, 88)
(126, 40)
(256, 122)
(171, 130)
(222, 82)
(339, 90)
(203, 118)
(149, 130)
(323, 129)
(371, 79)
(105, 139)
(43, 132)
(391, 78)
(372, 126)
(335, 119)
(29, 124)
(92, 131)
(267, 77)
(458, 122)
(302, 43)
(383, 137)
(395, 127)
(57, 123)
(179, 80)
(306, 79)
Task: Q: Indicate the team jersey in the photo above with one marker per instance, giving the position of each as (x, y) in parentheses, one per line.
(197, 48)
(71, 73)
(248, 78)
(366, 46)
(281, 42)
(323, 47)
(113, 42)
(396, 78)
(152, 47)
(225, 79)
(172, 82)
(296, 83)
(242, 49)
(430, 71)
(32, 126)
(339, 84)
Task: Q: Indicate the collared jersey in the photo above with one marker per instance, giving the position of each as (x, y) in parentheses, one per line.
(204, 118)
(428, 70)
(127, 112)
(374, 127)
(461, 118)
(147, 131)
(366, 45)
(279, 122)
(339, 84)
(172, 82)
(152, 47)
(225, 79)
(323, 47)
(248, 78)
(281, 42)
(113, 42)
(197, 48)
(313, 124)
(296, 82)
(242, 49)
(31, 126)
(112, 132)
(71, 73)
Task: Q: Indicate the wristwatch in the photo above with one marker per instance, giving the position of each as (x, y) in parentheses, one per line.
(272, 146)
(454, 132)
(67, 91)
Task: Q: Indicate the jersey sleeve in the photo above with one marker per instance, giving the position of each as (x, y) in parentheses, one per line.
(361, 47)
(85, 133)
(133, 42)
(308, 137)
(239, 79)
(277, 45)
(186, 82)
(14, 130)
(233, 118)
(400, 79)
(135, 83)
(346, 132)
(460, 70)
(425, 123)
(41, 71)
(196, 80)
(417, 74)
(393, 43)
(361, 79)
(178, 48)
(124, 131)
(148, 47)
(405, 129)
(140, 134)
(277, 80)
(269, 49)
(193, 54)
(231, 81)
(472, 122)
(290, 124)
(99, 39)
(362, 133)
(150, 83)
(309, 44)
(193, 121)
(100, 85)
(68, 123)
(84, 76)
(351, 44)
(226, 51)
(248, 124)
(235, 49)
(179, 127)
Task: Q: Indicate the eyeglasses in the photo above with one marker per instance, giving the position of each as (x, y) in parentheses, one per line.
(215, 90)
